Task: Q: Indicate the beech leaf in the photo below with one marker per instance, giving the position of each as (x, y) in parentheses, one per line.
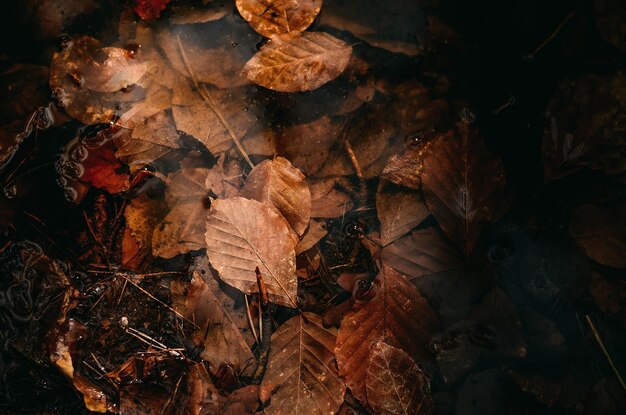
(302, 366)
(397, 314)
(296, 62)
(464, 185)
(279, 184)
(327, 201)
(272, 17)
(399, 210)
(242, 234)
(395, 384)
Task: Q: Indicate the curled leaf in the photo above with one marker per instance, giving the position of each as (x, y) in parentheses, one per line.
(296, 62)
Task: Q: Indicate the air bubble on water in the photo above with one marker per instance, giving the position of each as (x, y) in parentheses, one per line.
(79, 153)
(467, 116)
(10, 191)
(73, 170)
(62, 181)
(71, 195)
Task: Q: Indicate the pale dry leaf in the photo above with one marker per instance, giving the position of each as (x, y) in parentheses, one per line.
(326, 200)
(273, 17)
(395, 384)
(396, 314)
(296, 62)
(214, 328)
(464, 185)
(280, 185)
(142, 215)
(422, 253)
(399, 210)
(242, 234)
(194, 116)
(110, 69)
(302, 367)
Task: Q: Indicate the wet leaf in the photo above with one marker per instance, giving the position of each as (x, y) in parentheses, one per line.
(190, 12)
(327, 201)
(399, 210)
(111, 69)
(25, 87)
(219, 110)
(302, 367)
(405, 169)
(584, 126)
(422, 253)
(149, 9)
(395, 384)
(214, 329)
(187, 194)
(273, 17)
(142, 215)
(243, 234)
(601, 231)
(296, 62)
(464, 186)
(609, 16)
(397, 314)
(314, 233)
(609, 295)
(280, 185)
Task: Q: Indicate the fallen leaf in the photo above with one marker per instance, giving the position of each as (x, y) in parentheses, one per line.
(187, 195)
(326, 200)
(308, 145)
(273, 17)
(422, 253)
(280, 185)
(397, 314)
(142, 215)
(405, 169)
(225, 109)
(395, 384)
(242, 234)
(302, 367)
(314, 233)
(609, 17)
(464, 185)
(25, 87)
(544, 389)
(190, 12)
(297, 62)
(111, 69)
(609, 295)
(214, 329)
(399, 210)
(149, 9)
(585, 120)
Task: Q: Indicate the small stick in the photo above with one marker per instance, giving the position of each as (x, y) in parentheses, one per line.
(598, 339)
(531, 55)
(353, 159)
(267, 329)
(256, 338)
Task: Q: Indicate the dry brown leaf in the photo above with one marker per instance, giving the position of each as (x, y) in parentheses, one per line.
(142, 215)
(215, 330)
(280, 185)
(399, 210)
(187, 194)
(395, 385)
(308, 145)
(242, 234)
(296, 62)
(151, 139)
(405, 168)
(420, 254)
(302, 367)
(232, 106)
(273, 17)
(601, 231)
(464, 185)
(397, 314)
(327, 201)
(314, 233)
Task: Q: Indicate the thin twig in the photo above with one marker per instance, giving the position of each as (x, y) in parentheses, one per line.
(264, 353)
(353, 159)
(209, 100)
(531, 55)
(250, 322)
(598, 339)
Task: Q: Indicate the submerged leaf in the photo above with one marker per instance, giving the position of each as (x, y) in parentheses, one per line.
(296, 62)
(242, 234)
(399, 210)
(395, 385)
(302, 367)
(272, 17)
(279, 184)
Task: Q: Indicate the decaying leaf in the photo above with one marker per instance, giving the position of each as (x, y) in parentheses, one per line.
(219, 110)
(280, 185)
(296, 62)
(111, 69)
(314, 233)
(601, 231)
(405, 169)
(327, 201)
(464, 185)
(187, 194)
(142, 215)
(609, 16)
(399, 210)
(149, 9)
(397, 314)
(609, 295)
(585, 126)
(273, 17)
(395, 384)
(242, 234)
(422, 253)
(214, 329)
(302, 368)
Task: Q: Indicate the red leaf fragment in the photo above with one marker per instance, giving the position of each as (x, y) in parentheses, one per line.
(150, 10)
